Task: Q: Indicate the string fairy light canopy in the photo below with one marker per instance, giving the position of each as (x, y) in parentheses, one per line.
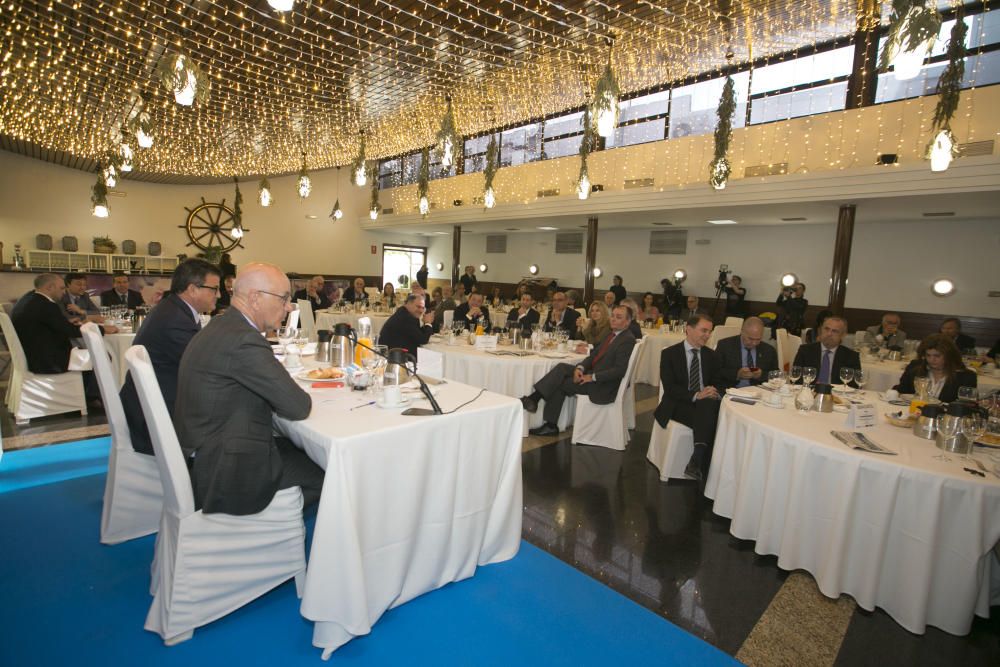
(315, 76)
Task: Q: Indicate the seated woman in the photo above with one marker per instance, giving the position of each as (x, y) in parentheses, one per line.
(596, 327)
(940, 361)
(496, 300)
(649, 310)
(389, 295)
(435, 299)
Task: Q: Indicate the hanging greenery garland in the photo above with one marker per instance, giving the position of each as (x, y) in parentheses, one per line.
(943, 147)
(374, 207)
(606, 93)
(719, 170)
(358, 166)
(238, 211)
(181, 76)
(447, 138)
(910, 25)
(423, 181)
(490, 172)
(587, 145)
(99, 195)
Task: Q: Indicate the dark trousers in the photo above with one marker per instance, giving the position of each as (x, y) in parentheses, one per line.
(297, 469)
(701, 417)
(556, 386)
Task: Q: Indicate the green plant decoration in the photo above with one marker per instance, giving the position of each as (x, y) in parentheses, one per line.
(175, 78)
(490, 172)
(719, 169)
(910, 24)
(424, 174)
(359, 161)
(447, 138)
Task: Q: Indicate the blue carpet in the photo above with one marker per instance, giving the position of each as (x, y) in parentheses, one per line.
(25, 468)
(68, 600)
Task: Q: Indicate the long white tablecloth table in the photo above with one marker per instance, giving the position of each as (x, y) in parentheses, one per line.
(647, 366)
(907, 533)
(507, 375)
(326, 320)
(409, 504)
(885, 375)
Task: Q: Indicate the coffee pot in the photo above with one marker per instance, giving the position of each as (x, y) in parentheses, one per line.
(824, 399)
(949, 435)
(342, 346)
(925, 426)
(323, 346)
(396, 373)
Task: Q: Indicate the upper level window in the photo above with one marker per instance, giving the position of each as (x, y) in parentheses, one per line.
(641, 119)
(692, 108)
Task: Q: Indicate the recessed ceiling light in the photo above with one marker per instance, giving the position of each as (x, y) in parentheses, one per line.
(942, 287)
(940, 214)
(722, 222)
(663, 224)
(511, 229)
(548, 229)
(311, 217)
(441, 233)
(793, 219)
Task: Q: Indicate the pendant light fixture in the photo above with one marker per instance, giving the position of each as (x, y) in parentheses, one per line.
(99, 196)
(304, 184)
(237, 231)
(913, 29)
(264, 197)
(606, 94)
(359, 175)
(447, 137)
(492, 155)
(336, 213)
(281, 5)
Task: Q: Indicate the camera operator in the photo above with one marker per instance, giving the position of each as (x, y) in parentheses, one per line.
(793, 304)
(735, 294)
(673, 298)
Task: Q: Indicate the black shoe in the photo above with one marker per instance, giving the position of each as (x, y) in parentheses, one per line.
(693, 471)
(529, 404)
(544, 429)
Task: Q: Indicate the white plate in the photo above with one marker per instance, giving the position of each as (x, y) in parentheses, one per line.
(403, 402)
(840, 389)
(883, 397)
(774, 407)
(304, 376)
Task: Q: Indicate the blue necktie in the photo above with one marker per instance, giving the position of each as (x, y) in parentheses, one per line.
(749, 364)
(824, 368)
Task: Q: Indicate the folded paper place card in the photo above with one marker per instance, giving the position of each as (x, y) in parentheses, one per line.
(486, 342)
(861, 415)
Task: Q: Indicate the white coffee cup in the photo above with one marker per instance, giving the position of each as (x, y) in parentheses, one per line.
(391, 395)
(775, 399)
(892, 395)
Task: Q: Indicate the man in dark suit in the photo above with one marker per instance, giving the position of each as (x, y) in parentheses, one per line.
(166, 332)
(744, 360)
(561, 317)
(409, 327)
(952, 328)
(525, 316)
(598, 376)
(225, 295)
(691, 377)
(691, 309)
(313, 292)
(827, 355)
(121, 295)
(447, 302)
(356, 292)
(473, 313)
(76, 302)
(229, 387)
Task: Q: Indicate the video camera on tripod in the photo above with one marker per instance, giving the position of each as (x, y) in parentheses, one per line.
(723, 281)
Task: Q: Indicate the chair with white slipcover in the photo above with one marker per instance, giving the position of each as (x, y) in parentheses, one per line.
(605, 425)
(733, 322)
(670, 448)
(293, 319)
(721, 332)
(307, 319)
(31, 395)
(133, 495)
(208, 565)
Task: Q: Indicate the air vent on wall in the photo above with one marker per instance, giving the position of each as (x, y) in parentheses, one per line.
(569, 243)
(117, 193)
(793, 219)
(662, 224)
(496, 243)
(702, 242)
(631, 183)
(766, 169)
(388, 211)
(668, 242)
(551, 192)
(975, 148)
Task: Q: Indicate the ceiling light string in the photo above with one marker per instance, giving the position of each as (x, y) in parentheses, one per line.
(658, 27)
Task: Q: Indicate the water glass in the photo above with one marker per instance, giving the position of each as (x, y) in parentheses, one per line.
(861, 377)
(809, 374)
(795, 374)
(286, 335)
(846, 375)
(968, 394)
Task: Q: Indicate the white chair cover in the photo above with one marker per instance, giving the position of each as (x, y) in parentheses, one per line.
(605, 425)
(734, 322)
(133, 495)
(307, 319)
(721, 332)
(430, 364)
(792, 345)
(293, 319)
(31, 395)
(448, 317)
(781, 343)
(208, 565)
(670, 448)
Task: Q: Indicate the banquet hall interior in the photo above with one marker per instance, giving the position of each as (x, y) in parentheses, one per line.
(849, 146)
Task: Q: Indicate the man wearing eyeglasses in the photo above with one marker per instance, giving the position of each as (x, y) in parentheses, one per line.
(166, 332)
(231, 386)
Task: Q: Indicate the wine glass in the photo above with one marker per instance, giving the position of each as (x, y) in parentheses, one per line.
(795, 374)
(808, 374)
(286, 335)
(968, 394)
(946, 428)
(861, 377)
(846, 375)
(973, 427)
(774, 379)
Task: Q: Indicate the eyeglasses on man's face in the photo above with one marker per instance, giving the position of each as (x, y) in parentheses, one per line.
(214, 288)
(285, 298)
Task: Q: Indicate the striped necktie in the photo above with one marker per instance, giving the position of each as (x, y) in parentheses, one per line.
(694, 375)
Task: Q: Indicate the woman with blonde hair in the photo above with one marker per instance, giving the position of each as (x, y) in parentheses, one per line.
(597, 325)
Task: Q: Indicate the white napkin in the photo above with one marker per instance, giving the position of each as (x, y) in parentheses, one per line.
(79, 360)
(744, 392)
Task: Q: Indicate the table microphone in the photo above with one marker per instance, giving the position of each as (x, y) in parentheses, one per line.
(400, 357)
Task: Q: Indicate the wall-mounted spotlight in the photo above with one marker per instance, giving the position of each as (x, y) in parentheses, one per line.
(943, 287)
(533, 269)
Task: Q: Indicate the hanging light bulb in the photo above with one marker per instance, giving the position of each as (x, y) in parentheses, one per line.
(942, 150)
(99, 196)
(361, 176)
(336, 214)
(264, 197)
(607, 116)
(143, 131)
(424, 206)
(304, 183)
(358, 172)
(237, 231)
(126, 153)
(606, 94)
(184, 94)
(907, 64)
(446, 137)
(110, 176)
(489, 198)
(373, 213)
(720, 173)
(583, 187)
(281, 5)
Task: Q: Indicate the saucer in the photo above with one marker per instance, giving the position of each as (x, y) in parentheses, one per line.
(404, 401)
(840, 389)
(841, 408)
(772, 406)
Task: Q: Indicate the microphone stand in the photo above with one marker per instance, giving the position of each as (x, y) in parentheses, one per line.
(401, 357)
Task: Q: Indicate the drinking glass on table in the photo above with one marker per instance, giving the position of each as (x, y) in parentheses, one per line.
(286, 335)
(861, 377)
(808, 374)
(775, 379)
(947, 428)
(973, 427)
(968, 394)
(846, 375)
(795, 374)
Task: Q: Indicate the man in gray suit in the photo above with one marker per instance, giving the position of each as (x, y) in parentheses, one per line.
(598, 376)
(229, 386)
(887, 334)
(744, 360)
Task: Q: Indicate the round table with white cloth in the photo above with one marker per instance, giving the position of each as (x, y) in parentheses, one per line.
(647, 366)
(501, 374)
(326, 319)
(885, 375)
(907, 533)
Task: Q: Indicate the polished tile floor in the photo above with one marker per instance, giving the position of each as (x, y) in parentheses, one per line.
(608, 514)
